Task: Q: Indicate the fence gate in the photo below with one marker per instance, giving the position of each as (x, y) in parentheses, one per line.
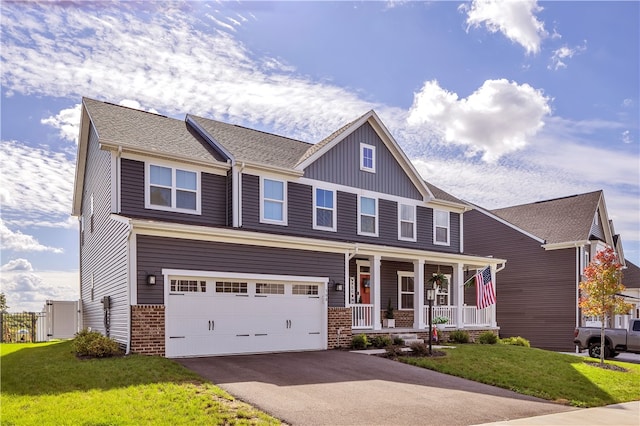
(21, 327)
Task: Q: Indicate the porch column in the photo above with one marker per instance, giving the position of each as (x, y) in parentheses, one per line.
(458, 279)
(375, 287)
(494, 322)
(418, 295)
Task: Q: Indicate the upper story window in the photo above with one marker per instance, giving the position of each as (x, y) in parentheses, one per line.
(273, 201)
(324, 209)
(441, 227)
(406, 222)
(368, 216)
(172, 189)
(367, 158)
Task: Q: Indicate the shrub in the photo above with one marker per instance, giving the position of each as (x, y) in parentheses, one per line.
(488, 338)
(419, 349)
(381, 341)
(95, 345)
(359, 342)
(393, 351)
(516, 341)
(399, 341)
(459, 336)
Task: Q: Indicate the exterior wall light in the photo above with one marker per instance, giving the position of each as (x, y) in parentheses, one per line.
(151, 279)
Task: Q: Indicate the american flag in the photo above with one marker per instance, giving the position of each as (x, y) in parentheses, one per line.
(485, 295)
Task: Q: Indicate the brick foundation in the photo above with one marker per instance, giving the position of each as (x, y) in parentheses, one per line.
(147, 329)
(339, 320)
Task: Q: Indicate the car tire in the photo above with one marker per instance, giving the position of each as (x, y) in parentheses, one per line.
(594, 351)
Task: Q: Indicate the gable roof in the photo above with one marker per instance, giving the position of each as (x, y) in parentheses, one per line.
(253, 146)
(138, 130)
(631, 275)
(558, 220)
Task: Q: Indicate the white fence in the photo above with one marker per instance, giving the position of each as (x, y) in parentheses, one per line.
(361, 316)
(471, 315)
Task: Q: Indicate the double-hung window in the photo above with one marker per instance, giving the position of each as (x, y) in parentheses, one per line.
(324, 209)
(406, 222)
(406, 290)
(368, 216)
(273, 201)
(172, 189)
(441, 227)
(367, 158)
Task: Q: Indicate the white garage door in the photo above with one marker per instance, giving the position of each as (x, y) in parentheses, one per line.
(215, 316)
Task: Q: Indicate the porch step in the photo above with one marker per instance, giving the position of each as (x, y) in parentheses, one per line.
(409, 342)
(408, 339)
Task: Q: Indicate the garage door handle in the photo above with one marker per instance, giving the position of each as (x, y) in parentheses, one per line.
(261, 334)
(176, 337)
(243, 335)
(288, 323)
(314, 332)
(212, 325)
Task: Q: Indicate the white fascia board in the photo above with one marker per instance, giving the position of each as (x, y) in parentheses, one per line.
(212, 141)
(449, 206)
(604, 219)
(134, 153)
(81, 161)
(235, 236)
(509, 224)
(260, 169)
(567, 244)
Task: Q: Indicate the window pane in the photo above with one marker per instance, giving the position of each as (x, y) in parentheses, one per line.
(186, 200)
(368, 224)
(441, 235)
(406, 213)
(368, 206)
(406, 229)
(160, 196)
(324, 218)
(407, 284)
(407, 301)
(273, 190)
(273, 210)
(186, 180)
(324, 198)
(160, 175)
(367, 157)
(442, 218)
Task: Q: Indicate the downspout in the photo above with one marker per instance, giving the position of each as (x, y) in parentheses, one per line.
(128, 279)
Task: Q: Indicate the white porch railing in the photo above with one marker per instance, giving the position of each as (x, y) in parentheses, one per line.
(471, 315)
(361, 316)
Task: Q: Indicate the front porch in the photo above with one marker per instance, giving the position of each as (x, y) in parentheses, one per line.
(472, 317)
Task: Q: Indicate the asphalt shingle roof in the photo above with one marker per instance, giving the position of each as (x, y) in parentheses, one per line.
(442, 195)
(631, 275)
(555, 221)
(148, 132)
(254, 146)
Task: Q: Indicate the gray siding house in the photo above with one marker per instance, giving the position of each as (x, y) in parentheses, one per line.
(547, 244)
(204, 238)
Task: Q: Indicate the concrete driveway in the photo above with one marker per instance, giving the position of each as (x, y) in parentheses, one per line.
(344, 388)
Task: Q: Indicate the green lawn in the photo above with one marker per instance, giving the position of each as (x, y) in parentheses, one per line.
(44, 384)
(544, 374)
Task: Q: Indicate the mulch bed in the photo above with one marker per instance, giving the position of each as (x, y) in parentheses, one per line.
(607, 366)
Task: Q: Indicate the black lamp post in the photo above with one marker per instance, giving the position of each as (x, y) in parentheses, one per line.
(431, 296)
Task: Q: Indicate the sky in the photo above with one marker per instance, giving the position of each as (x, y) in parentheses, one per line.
(497, 102)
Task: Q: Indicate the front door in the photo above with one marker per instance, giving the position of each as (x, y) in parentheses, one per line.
(365, 288)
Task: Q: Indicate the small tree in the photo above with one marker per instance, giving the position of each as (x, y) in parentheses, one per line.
(599, 292)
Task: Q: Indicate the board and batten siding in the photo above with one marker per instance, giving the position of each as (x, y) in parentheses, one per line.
(300, 218)
(103, 250)
(341, 165)
(214, 194)
(155, 253)
(536, 292)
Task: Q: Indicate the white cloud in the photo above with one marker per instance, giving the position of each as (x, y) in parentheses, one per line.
(626, 137)
(498, 118)
(17, 265)
(28, 291)
(627, 103)
(558, 59)
(17, 241)
(67, 122)
(515, 19)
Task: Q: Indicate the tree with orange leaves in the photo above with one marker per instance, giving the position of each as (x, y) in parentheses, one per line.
(601, 289)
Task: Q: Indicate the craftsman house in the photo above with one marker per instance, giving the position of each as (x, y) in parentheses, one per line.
(199, 237)
(547, 244)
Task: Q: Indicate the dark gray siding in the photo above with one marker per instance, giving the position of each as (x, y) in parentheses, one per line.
(536, 293)
(341, 165)
(229, 200)
(104, 251)
(156, 253)
(213, 198)
(597, 230)
(300, 217)
(389, 281)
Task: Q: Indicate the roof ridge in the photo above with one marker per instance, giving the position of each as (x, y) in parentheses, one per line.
(130, 108)
(548, 200)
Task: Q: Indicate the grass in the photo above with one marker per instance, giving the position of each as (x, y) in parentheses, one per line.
(45, 384)
(549, 375)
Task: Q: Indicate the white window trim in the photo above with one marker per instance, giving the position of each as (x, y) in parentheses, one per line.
(172, 208)
(284, 221)
(440, 293)
(404, 274)
(373, 151)
(441, 243)
(360, 232)
(334, 211)
(415, 220)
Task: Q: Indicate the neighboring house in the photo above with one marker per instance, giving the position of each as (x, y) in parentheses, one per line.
(200, 237)
(547, 245)
(631, 281)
